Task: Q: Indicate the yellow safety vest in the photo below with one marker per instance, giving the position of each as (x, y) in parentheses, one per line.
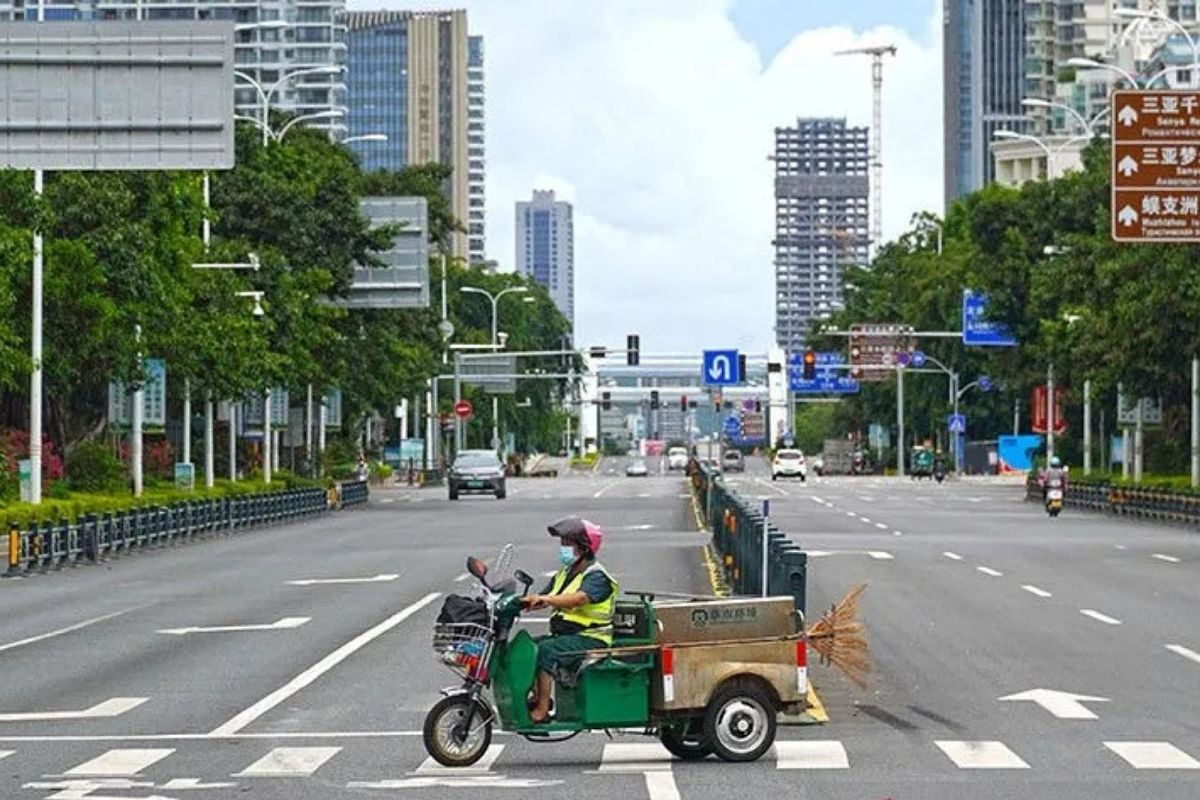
(596, 618)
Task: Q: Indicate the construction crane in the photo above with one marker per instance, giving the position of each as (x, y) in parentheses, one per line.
(876, 53)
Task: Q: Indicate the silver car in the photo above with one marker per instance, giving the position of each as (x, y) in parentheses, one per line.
(636, 469)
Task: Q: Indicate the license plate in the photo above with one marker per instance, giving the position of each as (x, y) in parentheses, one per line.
(1055, 494)
(475, 484)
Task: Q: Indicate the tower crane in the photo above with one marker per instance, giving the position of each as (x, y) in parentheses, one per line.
(876, 53)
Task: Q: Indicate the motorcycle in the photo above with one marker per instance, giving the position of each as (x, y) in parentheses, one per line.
(939, 472)
(1054, 500)
(698, 698)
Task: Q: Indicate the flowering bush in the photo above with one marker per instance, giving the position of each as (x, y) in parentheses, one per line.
(14, 446)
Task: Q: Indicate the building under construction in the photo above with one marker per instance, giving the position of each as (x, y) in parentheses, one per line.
(822, 219)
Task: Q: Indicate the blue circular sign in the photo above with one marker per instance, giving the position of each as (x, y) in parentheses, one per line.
(918, 359)
(985, 383)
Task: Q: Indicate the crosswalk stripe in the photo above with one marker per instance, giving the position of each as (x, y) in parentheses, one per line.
(484, 764)
(981, 755)
(121, 762)
(660, 785)
(289, 762)
(828, 754)
(1153, 755)
(634, 758)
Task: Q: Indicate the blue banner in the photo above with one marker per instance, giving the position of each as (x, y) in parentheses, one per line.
(829, 378)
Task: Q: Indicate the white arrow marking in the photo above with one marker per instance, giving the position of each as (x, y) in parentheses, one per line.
(1127, 166)
(1127, 115)
(287, 623)
(331, 581)
(109, 708)
(1063, 705)
(1127, 216)
(720, 369)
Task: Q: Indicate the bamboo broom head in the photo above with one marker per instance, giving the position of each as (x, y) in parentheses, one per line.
(839, 637)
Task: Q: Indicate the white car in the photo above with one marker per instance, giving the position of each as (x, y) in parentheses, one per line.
(636, 469)
(789, 464)
(677, 458)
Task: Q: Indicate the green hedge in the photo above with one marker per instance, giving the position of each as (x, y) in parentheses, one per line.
(1179, 484)
(155, 494)
(588, 460)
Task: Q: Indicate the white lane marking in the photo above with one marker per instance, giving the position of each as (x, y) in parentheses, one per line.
(1121, 547)
(881, 526)
(332, 581)
(880, 555)
(484, 764)
(817, 500)
(1036, 591)
(244, 718)
(1153, 755)
(6, 753)
(660, 785)
(109, 708)
(867, 520)
(635, 758)
(121, 763)
(484, 781)
(990, 571)
(462, 577)
(851, 514)
(828, 754)
(204, 737)
(636, 527)
(866, 498)
(644, 495)
(772, 487)
(388, 500)
(1180, 650)
(1168, 559)
(285, 624)
(600, 493)
(981, 755)
(897, 533)
(1096, 615)
(289, 762)
(69, 629)
(952, 556)
(185, 784)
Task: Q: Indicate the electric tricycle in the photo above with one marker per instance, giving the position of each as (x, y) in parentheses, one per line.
(704, 675)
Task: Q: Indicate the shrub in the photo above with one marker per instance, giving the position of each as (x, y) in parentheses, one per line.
(93, 467)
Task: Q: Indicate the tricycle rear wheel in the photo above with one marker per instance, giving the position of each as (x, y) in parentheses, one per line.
(444, 737)
(685, 740)
(740, 721)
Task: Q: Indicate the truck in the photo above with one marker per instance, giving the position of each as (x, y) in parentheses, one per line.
(837, 457)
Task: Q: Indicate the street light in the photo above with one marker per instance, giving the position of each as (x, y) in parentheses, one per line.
(367, 137)
(264, 94)
(495, 298)
(1091, 63)
(1050, 153)
(1037, 102)
(1158, 16)
(291, 123)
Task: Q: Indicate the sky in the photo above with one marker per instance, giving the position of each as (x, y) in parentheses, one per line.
(655, 118)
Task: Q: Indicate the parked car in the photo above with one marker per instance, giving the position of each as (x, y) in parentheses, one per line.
(789, 464)
(714, 466)
(477, 472)
(636, 469)
(733, 461)
(677, 458)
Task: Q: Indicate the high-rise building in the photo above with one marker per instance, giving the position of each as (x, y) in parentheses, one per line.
(476, 162)
(273, 39)
(409, 80)
(821, 220)
(983, 83)
(546, 247)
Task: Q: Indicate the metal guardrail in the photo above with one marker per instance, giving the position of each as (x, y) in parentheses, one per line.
(1104, 497)
(95, 537)
(737, 529)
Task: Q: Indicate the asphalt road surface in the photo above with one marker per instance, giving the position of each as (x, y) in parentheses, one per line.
(294, 662)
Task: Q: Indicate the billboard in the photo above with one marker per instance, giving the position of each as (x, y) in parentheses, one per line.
(116, 95)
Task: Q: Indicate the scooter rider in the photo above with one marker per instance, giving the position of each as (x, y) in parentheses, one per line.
(1055, 477)
(583, 595)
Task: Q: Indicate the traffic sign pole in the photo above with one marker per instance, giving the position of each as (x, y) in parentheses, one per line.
(900, 421)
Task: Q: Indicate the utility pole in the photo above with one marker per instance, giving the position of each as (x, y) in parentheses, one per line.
(876, 54)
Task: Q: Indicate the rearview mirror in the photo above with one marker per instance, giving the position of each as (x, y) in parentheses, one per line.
(478, 569)
(524, 577)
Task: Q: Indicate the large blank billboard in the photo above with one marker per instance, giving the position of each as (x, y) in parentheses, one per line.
(116, 95)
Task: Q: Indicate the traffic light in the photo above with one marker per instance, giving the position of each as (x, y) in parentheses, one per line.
(599, 352)
(774, 366)
(717, 403)
(606, 400)
(683, 404)
(742, 367)
(757, 407)
(632, 347)
(654, 400)
(810, 365)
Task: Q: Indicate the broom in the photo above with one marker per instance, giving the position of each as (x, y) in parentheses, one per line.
(838, 636)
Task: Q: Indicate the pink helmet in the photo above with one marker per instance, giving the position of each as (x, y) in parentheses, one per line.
(576, 530)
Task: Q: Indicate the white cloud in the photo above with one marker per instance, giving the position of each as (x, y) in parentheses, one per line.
(656, 119)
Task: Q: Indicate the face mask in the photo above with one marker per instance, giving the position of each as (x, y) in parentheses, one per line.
(566, 555)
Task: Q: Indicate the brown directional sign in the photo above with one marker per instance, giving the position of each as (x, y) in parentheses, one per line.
(1156, 166)
(873, 349)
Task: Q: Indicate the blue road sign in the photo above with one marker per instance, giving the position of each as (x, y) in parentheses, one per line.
(918, 359)
(721, 368)
(985, 383)
(957, 423)
(829, 379)
(733, 425)
(977, 329)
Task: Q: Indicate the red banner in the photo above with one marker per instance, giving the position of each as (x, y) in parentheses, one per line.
(1039, 411)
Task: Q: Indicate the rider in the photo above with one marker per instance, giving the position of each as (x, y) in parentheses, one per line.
(583, 595)
(1054, 477)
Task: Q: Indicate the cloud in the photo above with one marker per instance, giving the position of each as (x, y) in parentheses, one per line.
(656, 120)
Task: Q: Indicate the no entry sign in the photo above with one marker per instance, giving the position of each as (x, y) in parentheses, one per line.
(463, 409)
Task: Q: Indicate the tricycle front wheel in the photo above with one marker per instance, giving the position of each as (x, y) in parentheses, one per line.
(452, 739)
(740, 721)
(685, 740)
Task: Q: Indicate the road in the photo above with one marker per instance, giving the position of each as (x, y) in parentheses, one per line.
(234, 668)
